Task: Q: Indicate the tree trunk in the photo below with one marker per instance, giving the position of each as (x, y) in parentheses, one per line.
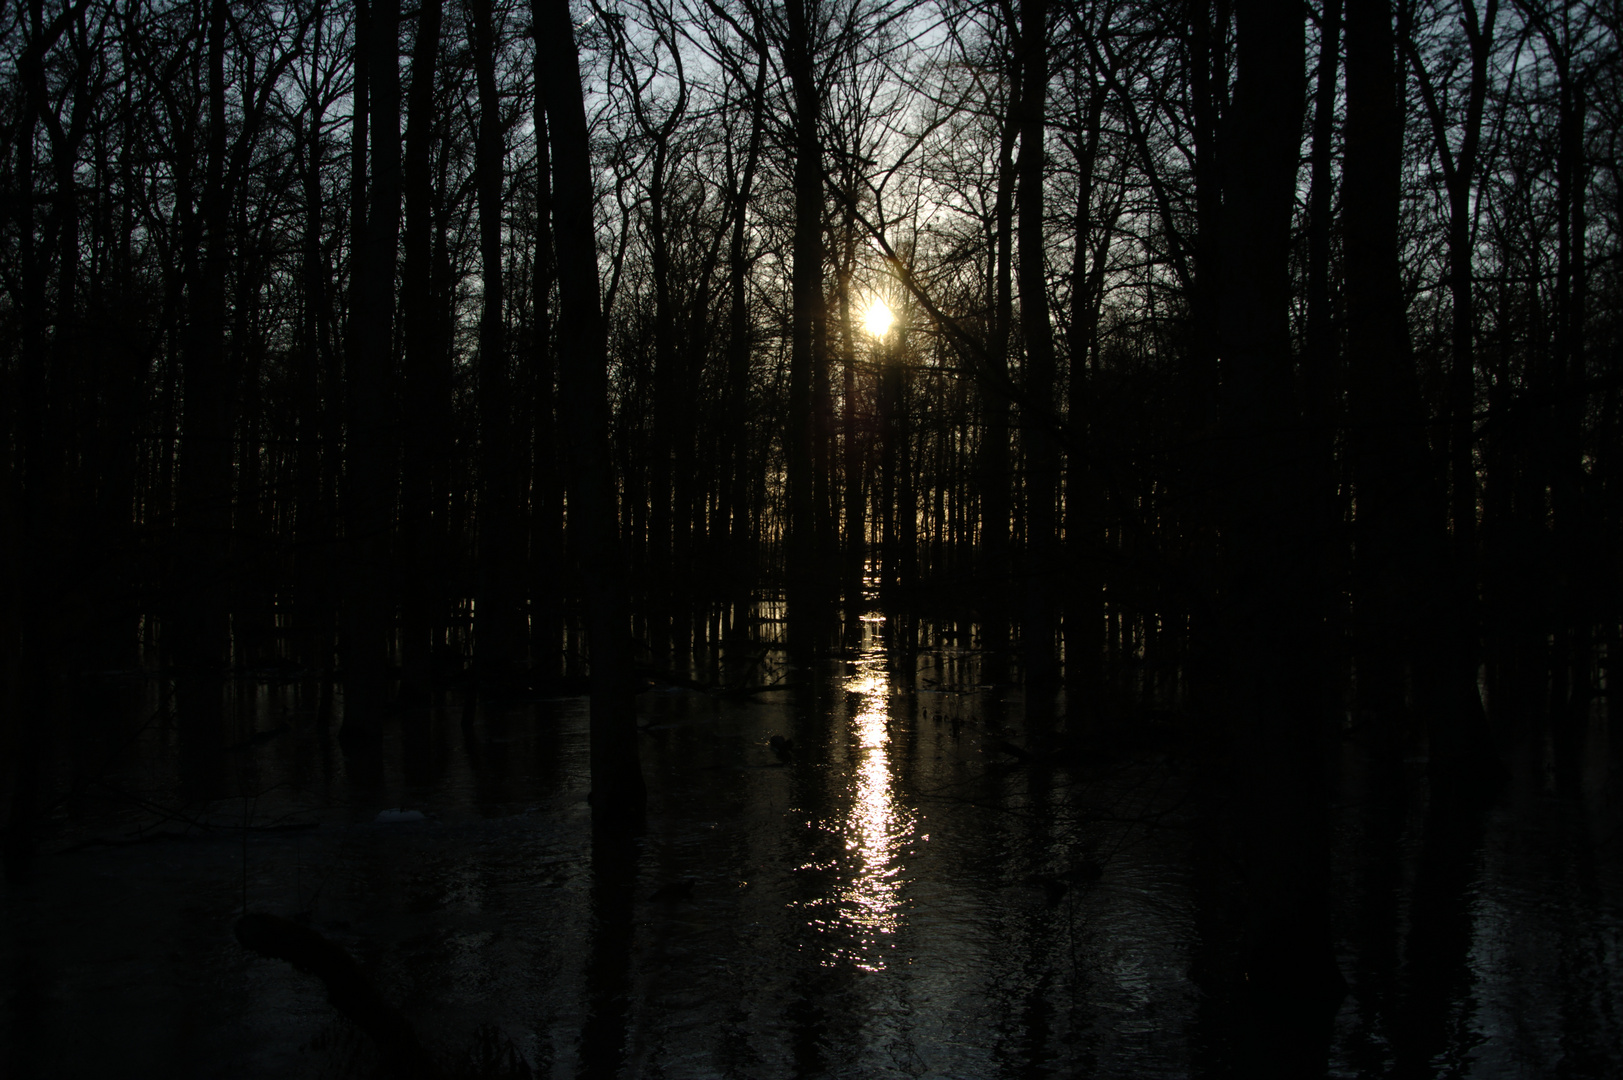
(1318, 368)
(547, 567)
(1318, 364)
(1410, 615)
(891, 434)
(426, 404)
(995, 481)
(370, 475)
(1208, 58)
(736, 455)
(33, 578)
(806, 287)
(1459, 174)
(618, 795)
(855, 490)
(1039, 619)
(1084, 617)
(1273, 627)
(669, 394)
(498, 634)
(204, 495)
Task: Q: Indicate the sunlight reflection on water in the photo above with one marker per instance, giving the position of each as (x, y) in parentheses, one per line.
(875, 827)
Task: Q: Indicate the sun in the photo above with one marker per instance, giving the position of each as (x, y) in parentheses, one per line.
(878, 318)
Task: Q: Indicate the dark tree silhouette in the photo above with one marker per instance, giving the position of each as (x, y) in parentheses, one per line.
(617, 785)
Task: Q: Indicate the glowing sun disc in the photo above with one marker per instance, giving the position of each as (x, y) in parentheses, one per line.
(878, 318)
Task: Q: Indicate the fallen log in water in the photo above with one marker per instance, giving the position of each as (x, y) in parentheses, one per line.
(348, 988)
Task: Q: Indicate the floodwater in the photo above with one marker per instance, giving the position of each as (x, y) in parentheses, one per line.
(916, 886)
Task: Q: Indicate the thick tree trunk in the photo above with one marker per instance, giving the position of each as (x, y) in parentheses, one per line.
(426, 378)
(1209, 67)
(547, 565)
(204, 495)
(1318, 364)
(1274, 628)
(806, 287)
(1039, 618)
(1385, 440)
(1572, 677)
(1410, 616)
(32, 578)
(370, 474)
(1319, 381)
(618, 794)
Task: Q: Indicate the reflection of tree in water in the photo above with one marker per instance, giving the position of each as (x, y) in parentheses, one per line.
(608, 978)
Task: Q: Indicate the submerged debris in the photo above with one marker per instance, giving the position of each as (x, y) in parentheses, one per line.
(398, 816)
(783, 747)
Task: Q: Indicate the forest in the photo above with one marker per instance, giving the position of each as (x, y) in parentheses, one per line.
(1237, 375)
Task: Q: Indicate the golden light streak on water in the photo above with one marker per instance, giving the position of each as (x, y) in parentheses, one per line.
(875, 828)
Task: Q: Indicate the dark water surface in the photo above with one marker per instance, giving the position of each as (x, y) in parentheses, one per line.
(922, 887)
